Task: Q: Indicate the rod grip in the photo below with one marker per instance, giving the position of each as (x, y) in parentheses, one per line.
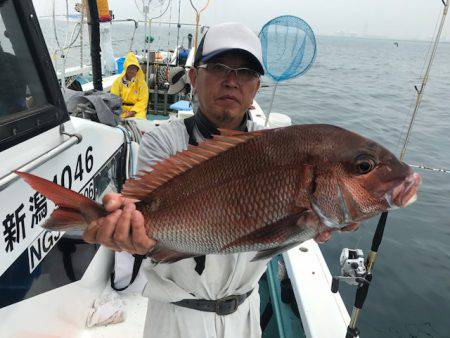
(361, 292)
(352, 332)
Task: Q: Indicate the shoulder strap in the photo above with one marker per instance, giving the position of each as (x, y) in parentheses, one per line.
(189, 123)
(137, 264)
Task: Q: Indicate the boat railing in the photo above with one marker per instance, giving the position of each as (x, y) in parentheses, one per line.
(73, 139)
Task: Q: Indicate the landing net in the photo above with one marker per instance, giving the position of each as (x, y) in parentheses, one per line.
(288, 47)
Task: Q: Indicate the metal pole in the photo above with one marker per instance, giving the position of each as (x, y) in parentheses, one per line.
(165, 101)
(147, 41)
(81, 34)
(94, 29)
(271, 103)
(155, 93)
(178, 24)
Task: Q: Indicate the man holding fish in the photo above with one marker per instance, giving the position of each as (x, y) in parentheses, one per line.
(242, 191)
(224, 97)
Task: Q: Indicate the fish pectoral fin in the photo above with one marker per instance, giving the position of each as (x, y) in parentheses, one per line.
(264, 254)
(309, 179)
(277, 232)
(161, 254)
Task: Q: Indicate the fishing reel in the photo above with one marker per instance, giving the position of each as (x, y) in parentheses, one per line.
(353, 269)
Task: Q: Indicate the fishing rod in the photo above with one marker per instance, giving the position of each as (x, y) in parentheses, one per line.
(421, 90)
(363, 282)
(424, 167)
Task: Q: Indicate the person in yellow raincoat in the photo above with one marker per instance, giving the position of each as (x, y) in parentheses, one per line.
(132, 88)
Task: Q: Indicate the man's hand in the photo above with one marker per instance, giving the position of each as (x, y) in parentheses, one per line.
(129, 113)
(122, 230)
(326, 235)
(323, 237)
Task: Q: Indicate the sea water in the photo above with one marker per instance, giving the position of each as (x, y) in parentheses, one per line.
(367, 86)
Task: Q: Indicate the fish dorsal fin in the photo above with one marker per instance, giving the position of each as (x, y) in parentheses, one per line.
(148, 181)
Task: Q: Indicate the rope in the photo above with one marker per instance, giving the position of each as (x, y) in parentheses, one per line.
(67, 20)
(67, 45)
(68, 48)
(54, 26)
(137, 6)
(164, 12)
(69, 41)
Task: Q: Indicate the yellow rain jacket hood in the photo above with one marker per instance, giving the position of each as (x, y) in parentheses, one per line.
(135, 94)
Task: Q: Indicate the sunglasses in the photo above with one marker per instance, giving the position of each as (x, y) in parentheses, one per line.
(220, 70)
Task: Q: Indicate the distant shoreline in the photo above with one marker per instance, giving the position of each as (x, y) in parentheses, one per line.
(378, 38)
(73, 18)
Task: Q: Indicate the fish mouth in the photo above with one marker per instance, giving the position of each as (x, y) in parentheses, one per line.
(406, 192)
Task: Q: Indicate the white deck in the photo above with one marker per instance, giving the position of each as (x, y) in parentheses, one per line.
(323, 313)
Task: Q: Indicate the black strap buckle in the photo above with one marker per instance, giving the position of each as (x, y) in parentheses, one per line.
(227, 305)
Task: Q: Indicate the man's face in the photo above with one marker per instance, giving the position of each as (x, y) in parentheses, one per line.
(224, 101)
(131, 71)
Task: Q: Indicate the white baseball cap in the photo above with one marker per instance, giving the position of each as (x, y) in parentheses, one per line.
(226, 37)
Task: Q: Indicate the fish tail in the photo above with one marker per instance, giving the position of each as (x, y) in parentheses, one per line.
(74, 210)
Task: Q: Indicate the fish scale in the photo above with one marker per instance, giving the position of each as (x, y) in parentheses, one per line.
(229, 207)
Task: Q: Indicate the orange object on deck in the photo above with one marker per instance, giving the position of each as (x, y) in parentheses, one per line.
(104, 14)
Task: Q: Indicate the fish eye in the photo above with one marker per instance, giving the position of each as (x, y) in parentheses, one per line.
(364, 164)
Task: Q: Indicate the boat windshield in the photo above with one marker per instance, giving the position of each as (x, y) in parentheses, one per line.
(20, 86)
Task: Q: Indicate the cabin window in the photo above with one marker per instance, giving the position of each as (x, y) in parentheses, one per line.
(30, 98)
(20, 86)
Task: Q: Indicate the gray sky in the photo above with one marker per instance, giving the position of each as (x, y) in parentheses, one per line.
(399, 19)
